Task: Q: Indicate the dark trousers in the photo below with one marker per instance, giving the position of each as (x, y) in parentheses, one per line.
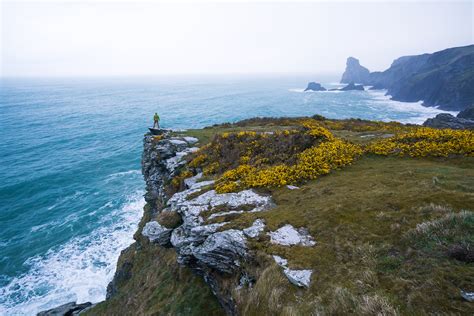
(156, 124)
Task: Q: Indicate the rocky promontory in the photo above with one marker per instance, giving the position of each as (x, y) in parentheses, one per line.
(279, 216)
(444, 79)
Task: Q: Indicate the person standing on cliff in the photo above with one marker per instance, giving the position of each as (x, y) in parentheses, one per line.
(156, 121)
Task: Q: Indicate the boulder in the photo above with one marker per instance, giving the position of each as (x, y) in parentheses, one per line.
(157, 233)
(314, 86)
(301, 278)
(468, 296)
(222, 250)
(257, 227)
(445, 120)
(289, 236)
(68, 309)
(199, 243)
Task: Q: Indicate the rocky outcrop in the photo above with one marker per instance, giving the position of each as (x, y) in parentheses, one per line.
(350, 87)
(289, 236)
(157, 233)
(444, 79)
(301, 278)
(445, 120)
(466, 114)
(254, 231)
(200, 243)
(355, 72)
(314, 86)
(68, 309)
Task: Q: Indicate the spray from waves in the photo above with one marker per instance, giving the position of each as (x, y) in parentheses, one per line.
(418, 112)
(125, 173)
(76, 271)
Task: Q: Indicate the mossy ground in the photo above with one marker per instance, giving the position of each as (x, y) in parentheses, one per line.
(367, 259)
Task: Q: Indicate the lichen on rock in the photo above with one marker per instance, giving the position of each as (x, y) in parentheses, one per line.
(289, 236)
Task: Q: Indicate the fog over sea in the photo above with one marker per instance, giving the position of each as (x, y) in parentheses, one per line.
(71, 187)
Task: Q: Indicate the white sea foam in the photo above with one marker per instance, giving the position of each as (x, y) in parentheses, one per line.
(76, 271)
(417, 111)
(296, 90)
(124, 173)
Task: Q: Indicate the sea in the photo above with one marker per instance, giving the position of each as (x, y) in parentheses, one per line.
(71, 189)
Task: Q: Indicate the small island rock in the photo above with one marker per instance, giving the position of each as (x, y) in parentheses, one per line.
(314, 86)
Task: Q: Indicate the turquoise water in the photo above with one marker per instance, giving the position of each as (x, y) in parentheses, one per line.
(71, 188)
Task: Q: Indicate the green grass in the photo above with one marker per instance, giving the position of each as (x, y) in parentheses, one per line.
(360, 217)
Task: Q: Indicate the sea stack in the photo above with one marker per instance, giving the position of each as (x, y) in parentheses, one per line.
(355, 72)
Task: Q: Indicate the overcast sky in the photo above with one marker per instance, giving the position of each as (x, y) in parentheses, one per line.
(103, 38)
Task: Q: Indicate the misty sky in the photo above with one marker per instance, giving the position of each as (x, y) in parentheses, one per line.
(103, 38)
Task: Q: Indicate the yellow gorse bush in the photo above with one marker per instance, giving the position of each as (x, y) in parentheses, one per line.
(424, 142)
(249, 159)
(317, 160)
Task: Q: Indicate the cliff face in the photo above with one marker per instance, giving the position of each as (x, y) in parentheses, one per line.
(444, 78)
(198, 235)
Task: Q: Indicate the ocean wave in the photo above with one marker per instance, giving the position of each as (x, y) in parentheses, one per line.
(418, 113)
(76, 271)
(125, 173)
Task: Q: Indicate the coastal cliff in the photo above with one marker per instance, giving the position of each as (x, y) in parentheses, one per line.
(297, 216)
(444, 79)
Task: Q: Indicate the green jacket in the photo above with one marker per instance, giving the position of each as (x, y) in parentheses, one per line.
(156, 117)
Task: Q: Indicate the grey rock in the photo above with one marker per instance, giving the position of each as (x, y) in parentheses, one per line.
(190, 140)
(301, 278)
(468, 296)
(282, 262)
(289, 236)
(67, 309)
(467, 114)
(445, 120)
(257, 227)
(314, 86)
(157, 233)
(351, 86)
(220, 214)
(223, 250)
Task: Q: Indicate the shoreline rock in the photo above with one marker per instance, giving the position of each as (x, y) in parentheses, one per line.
(315, 86)
(68, 309)
(445, 120)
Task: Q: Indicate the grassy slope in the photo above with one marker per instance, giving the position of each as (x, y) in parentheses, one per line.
(365, 261)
